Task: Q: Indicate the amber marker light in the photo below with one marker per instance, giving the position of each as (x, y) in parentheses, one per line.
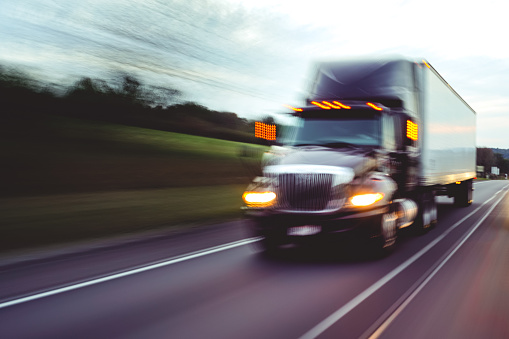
(412, 130)
(427, 65)
(374, 106)
(293, 108)
(265, 131)
(259, 199)
(331, 105)
(366, 199)
(316, 103)
(341, 105)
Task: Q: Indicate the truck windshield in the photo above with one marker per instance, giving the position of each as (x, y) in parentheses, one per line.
(336, 132)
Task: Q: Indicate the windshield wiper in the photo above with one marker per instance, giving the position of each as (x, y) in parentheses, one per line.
(297, 145)
(339, 144)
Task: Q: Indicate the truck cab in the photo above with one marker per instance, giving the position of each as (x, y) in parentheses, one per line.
(332, 172)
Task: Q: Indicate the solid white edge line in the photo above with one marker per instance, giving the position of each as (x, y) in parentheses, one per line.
(398, 311)
(342, 311)
(149, 267)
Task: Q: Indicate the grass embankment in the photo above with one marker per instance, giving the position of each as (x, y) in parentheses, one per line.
(66, 180)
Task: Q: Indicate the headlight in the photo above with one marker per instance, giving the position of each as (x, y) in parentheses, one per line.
(259, 199)
(366, 199)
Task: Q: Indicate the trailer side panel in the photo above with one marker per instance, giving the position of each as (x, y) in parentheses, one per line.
(447, 133)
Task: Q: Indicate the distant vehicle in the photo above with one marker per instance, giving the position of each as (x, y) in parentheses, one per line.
(375, 143)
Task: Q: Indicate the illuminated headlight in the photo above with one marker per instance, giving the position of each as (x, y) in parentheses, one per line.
(259, 199)
(366, 199)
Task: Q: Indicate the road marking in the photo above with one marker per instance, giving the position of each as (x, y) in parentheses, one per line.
(480, 182)
(345, 309)
(168, 262)
(407, 301)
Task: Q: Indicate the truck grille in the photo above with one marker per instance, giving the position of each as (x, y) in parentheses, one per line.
(308, 192)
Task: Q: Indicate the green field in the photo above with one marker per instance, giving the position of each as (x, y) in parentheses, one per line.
(47, 220)
(68, 155)
(67, 180)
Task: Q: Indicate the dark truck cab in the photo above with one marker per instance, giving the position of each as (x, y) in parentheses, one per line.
(364, 156)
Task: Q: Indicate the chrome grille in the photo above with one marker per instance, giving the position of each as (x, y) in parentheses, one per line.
(308, 192)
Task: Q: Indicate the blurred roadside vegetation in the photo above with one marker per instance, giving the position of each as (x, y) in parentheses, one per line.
(49, 220)
(489, 157)
(124, 100)
(68, 155)
(105, 159)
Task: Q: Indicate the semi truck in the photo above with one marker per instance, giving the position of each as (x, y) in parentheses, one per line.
(374, 143)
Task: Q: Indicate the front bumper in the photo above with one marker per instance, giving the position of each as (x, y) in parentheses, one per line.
(270, 223)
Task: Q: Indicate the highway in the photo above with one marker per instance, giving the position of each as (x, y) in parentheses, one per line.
(452, 282)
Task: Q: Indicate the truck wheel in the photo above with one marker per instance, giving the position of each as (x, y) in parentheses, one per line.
(389, 230)
(463, 194)
(386, 242)
(427, 215)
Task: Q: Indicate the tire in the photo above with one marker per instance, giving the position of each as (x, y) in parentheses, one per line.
(386, 242)
(463, 194)
(427, 215)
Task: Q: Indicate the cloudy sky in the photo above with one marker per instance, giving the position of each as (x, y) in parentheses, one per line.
(251, 57)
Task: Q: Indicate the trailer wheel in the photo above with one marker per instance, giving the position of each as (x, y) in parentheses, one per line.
(463, 194)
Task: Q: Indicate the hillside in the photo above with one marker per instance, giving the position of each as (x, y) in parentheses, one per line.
(54, 154)
(71, 179)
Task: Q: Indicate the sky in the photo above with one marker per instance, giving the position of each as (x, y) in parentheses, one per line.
(252, 57)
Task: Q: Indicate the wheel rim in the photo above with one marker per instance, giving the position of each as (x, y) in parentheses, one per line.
(388, 229)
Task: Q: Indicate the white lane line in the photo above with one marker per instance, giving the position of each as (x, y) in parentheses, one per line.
(175, 260)
(401, 307)
(342, 311)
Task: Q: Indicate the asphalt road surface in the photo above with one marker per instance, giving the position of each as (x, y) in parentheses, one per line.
(452, 282)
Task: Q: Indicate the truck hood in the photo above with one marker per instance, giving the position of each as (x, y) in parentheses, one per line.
(359, 161)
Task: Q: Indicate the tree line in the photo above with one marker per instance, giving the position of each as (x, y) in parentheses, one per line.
(489, 158)
(125, 100)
